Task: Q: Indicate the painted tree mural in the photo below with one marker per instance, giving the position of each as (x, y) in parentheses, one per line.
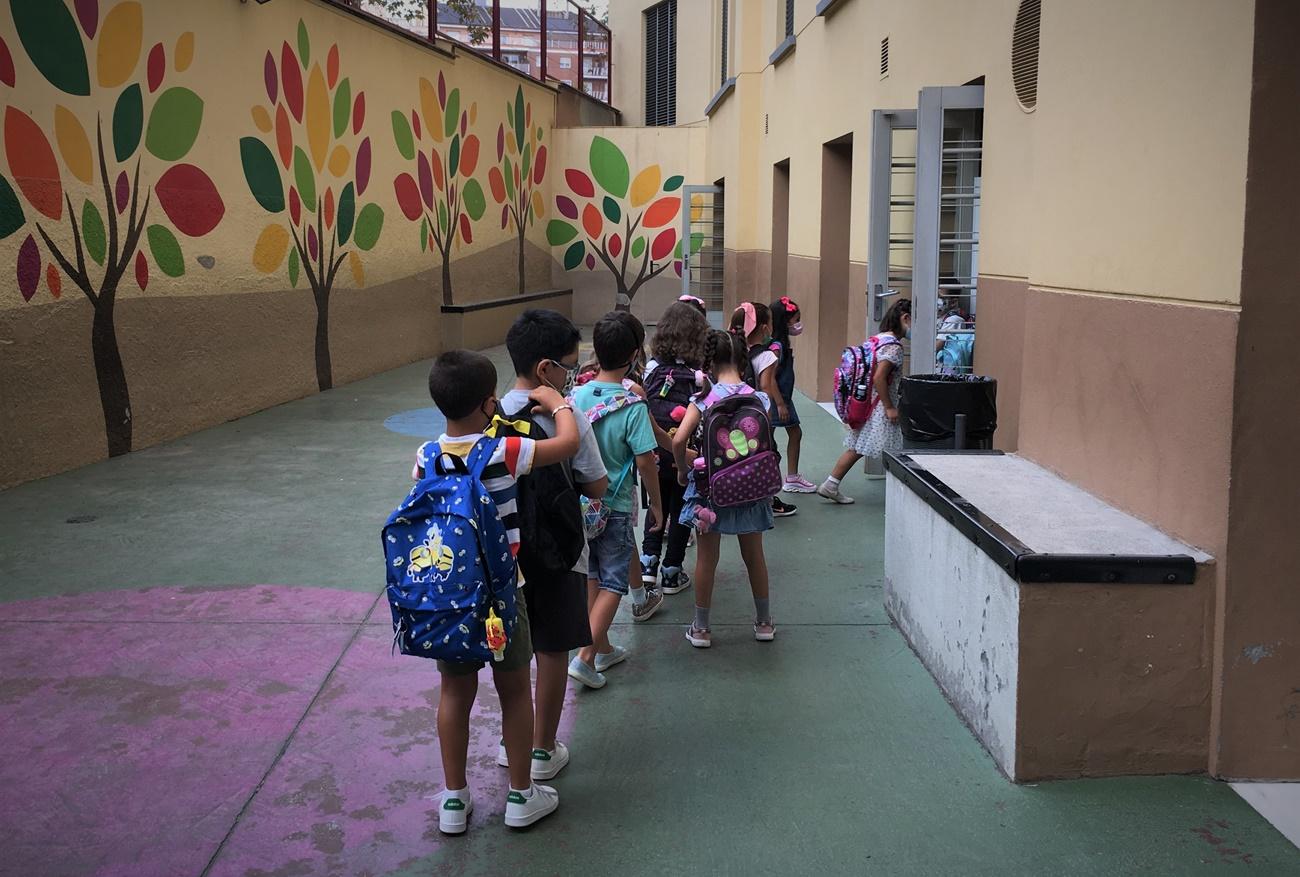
(113, 231)
(521, 166)
(301, 169)
(627, 225)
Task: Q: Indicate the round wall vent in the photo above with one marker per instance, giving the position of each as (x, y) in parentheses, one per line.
(1024, 53)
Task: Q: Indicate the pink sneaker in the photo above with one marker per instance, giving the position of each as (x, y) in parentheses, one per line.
(701, 639)
(764, 631)
(798, 484)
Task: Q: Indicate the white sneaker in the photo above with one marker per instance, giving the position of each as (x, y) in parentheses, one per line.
(605, 661)
(525, 808)
(833, 494)
(547, 764)
(454, 811)
(503, 760)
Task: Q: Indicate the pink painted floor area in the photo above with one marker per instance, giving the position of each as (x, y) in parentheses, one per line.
(150, 730)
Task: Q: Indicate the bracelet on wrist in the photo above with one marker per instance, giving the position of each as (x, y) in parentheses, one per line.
(568, 408)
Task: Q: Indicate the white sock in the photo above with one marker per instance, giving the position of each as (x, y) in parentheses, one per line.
(638, 595)
(463, 794)
(527, 793)
(832, 482)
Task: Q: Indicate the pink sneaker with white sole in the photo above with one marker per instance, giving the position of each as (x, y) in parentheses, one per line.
(798, 484)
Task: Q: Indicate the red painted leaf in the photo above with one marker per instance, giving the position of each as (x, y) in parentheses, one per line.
(363, 166)
(157, 66)
(592, 221)
(663, 244)
(271, 78)
(580, 183)
(32, 162)
(88, 15)
(437, 170)
(283, 136)
(141, 270)
(295, 206)
(615, 245)
(358, 112)
(122, 191)
(291, 80)
(189, 199)
(332, 65)
(6, 64)
(662, 212)
(415, 125)
(29, 268)
(465, 233)
(54, 280)
(469, 156)
(539, 166)
(498, 185)
(408, 196)
(329, 208)
(566, 207)
(426, 179)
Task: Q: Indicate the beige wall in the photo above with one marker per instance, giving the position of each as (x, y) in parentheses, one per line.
(695, 37)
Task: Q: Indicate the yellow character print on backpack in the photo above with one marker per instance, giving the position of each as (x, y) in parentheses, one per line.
(737, 444)
(432, 552)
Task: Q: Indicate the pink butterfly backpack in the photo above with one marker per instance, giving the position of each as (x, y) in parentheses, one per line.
(741, 462)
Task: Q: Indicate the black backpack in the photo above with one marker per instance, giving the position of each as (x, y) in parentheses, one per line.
(551, 534)
(669, 389)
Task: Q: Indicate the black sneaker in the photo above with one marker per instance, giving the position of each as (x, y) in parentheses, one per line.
(649, 569)
(782, 509)
(674, 583)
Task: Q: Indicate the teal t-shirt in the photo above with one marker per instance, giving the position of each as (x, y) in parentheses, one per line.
(621, 434)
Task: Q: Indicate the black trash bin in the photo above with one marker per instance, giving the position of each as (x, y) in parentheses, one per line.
(929, 405)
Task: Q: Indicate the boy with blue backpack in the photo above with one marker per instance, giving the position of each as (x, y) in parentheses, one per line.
(453, 579)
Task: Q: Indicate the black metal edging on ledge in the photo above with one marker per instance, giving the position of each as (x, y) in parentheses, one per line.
(505, 302)
(1018, 560)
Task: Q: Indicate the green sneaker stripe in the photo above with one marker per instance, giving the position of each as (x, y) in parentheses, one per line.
(541, 755)
(516, 798)
(453, 804)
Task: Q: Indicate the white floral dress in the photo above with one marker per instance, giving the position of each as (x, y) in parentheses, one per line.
(878, 434)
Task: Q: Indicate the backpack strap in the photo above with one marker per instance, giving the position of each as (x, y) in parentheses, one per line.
(607, 406)
(481, 455)
(441, 463)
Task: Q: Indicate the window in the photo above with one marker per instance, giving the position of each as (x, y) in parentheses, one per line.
(789, 18)
(661, 64)
(1024, 53)
(725, 33)
(566, 63)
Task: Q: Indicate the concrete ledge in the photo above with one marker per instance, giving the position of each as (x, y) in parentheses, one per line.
(786, 47)
(727, 88)
(483, 324)
(826, 7)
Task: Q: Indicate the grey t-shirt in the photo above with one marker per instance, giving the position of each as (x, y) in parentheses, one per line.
(587, 463)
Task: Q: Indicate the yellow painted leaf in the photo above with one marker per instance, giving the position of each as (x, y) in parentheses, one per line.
(270, 248)
(340, 159)
(358, 272)
(697, 208)
(646, 185)
(538, 205)
(473, 113)
(73, 144)
(120, 37)
(317, 118)
(429, 109)
(183, 54)
(262, 119)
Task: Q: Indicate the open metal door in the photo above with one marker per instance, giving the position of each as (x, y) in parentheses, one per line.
(701, 236)
(890, 226)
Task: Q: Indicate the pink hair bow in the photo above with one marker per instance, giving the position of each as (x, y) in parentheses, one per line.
(751, 318)
(790, 307)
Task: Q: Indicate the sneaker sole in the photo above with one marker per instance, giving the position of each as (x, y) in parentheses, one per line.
(765, 637)
(456, 829)
(785, 514)
(794, 488)
(651, 614)
(841, 500)
(594, 686)
(698, 643)
(532, 818)
(671, 591)
(603, 667)
(548, 773)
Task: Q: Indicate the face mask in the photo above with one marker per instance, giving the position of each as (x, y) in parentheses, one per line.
(570, 377)
(491, 411)
(796, 329)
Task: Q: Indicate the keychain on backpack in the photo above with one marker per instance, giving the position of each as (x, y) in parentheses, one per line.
(496, 635)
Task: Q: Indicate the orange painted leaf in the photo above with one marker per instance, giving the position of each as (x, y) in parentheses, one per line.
(469, 156)
(662, 212)
(592, 221)
(32, 163)
(497, 185)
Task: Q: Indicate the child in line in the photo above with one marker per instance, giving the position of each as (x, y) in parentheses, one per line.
(786, 324)
(543, 347)
(725, 357)
(463, 386)
(753, 322)
(627, 443)
(881, 432)
(671, 381)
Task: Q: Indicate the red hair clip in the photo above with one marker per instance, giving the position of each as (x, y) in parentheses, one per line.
(790, 306)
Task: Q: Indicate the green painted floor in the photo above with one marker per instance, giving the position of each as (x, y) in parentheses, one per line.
(830, 751)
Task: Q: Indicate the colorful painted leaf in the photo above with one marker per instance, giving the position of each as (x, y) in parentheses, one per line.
(121, 191)
(464, 120)
(579, 183)
(453, 157)
(317, 120)
(402, 135)
(88, 15)
(54, 280)
(613, 212)
(697, 241)
(677, 250)
(6, 64)
(295, 207)
(166, 250)
(363, 166)
(270, 249)
(190, 200)
(120, 40)
(566, 206)
(313, 243)
(32, 162)
(173, 124)
(442, 90)
(615, 245)
(452, 112)
(510, 180)
(609, 166)
(183, 54)
(92, 232)
(262, 119)
(573, 256)
(128, 122)
(358, 272)
(29, 268)
(672, 184)
(156, 67)
(475, 203)
(271, 78)
(408, 196)
(293, 267)
(304, 44)
(663, 245)
(592, 222)
(52, 41)
(469, 156)
(339, 161)
(347, 213)
(538, 206)
(415, 125)
(505, 216)
(501, 141)
(304, 179)
(497, 185)
(329, 208)
(424, 235)
(677, 268)
(11, 210)
(425, 174)
(519, 118)
(342, 107)
(662, 212)
(261, 174)
(291, 81)
(466, 233)
(430, 108)
(73, 144)
(637, 248)
(645, 186)
(442, 217)
(370, 222)
(559, 232)
(591, 262)
(539, 166)
(526, 161)
(332, 65)
(358, 112)
(141, 270)
(436, 165)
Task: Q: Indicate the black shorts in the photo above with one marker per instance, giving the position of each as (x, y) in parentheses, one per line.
(557, 612)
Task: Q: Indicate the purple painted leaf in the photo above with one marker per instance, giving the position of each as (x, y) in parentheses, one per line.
(157, 66)
(88, 15)
(311, 241)
(426, 180)
(566, 206)
(6, 64)
(591, 262)
(29, 268)
(122, 191)
(363, 166)
(272, 78)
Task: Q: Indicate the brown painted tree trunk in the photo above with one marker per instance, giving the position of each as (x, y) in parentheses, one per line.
(111, 376)
(446, 276)
(522, 286)
(324, 367)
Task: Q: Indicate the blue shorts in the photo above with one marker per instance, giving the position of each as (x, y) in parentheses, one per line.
(611, 554)
(785, 383)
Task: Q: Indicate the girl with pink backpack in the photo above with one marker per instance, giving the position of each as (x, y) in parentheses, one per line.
(868, 402)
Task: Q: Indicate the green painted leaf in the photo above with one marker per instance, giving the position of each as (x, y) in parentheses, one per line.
(573, 255)
(370, 222)
(53, 42)
(128, 122)
(475, 203)
(293, 267)
(453, 156)
(613, 212)
(402, 135)
(424, 234)
(510, 178)
(520, 116)
(174, 124)
(672, 184)
(697, 241)
(92, 232)
(453, 112)
(342, 107)
(262, 174)
(559, 232)
(304, 179)
(347, 213)
(11, 211)
(526, 164)
(638, 247)
(609, 167)
(442, 218)
(677, 250)
(166, 250)
(510, 115)
(304, 45)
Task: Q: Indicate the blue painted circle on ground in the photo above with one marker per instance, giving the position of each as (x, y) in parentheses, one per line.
(425, 423)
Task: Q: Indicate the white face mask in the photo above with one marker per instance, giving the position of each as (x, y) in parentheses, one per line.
(796, 328)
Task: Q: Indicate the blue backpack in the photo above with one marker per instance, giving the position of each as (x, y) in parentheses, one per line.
(448, 561)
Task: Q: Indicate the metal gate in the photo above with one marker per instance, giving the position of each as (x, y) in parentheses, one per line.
(702, 256)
